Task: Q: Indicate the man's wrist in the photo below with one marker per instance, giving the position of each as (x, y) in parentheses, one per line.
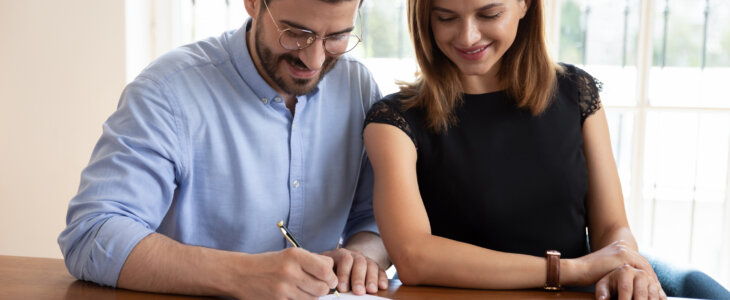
(221, 271)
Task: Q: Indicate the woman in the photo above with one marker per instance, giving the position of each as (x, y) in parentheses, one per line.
(496, 155)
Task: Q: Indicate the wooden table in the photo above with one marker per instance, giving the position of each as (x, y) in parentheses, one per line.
(46, 278)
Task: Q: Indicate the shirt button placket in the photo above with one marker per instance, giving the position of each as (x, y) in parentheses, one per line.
(297, 196)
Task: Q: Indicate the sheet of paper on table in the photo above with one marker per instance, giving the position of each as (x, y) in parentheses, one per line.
(345, 296)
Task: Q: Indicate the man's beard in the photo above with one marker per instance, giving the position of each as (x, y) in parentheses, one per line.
(271, 62)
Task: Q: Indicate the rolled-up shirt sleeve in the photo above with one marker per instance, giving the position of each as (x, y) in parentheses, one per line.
(128, 185)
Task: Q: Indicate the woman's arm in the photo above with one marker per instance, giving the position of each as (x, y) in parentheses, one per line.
(607, 220)
(419, 256)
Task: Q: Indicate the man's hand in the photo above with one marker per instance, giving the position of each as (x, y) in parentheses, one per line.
(356, 270)
(292, 273)
(162, 265)
(628, 282)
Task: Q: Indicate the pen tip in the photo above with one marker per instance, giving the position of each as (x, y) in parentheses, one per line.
(281, 223)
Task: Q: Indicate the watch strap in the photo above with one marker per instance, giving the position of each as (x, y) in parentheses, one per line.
(552, 282)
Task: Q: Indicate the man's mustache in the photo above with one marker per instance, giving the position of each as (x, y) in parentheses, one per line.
(295, 61)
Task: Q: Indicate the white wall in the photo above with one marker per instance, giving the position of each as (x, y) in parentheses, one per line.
(62, 69)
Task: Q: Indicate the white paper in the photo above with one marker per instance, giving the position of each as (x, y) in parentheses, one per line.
(345, 296)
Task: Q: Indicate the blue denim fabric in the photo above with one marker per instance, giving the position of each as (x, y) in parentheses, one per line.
(679, 282)
(687, 283)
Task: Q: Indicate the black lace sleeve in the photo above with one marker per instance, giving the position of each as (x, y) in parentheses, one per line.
(588, 97)
(385, 113)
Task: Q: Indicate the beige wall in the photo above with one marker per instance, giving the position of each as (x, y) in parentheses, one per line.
(62, 69)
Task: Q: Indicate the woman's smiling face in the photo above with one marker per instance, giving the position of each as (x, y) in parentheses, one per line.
(475, 34)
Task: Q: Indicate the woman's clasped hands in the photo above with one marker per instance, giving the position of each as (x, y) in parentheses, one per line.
(618, 271)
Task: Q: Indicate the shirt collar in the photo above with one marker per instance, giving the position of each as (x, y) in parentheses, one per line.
(238, 49)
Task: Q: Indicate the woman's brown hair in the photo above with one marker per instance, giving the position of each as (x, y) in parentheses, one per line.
(526, 70)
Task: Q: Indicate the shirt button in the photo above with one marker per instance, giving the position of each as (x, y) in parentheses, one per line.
(295, 183)
(294, 127)
(277, 99)
(265, 100)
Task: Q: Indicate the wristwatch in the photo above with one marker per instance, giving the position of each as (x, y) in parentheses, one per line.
(552, 283)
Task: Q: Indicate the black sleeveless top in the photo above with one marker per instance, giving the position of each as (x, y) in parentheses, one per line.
(501, 178)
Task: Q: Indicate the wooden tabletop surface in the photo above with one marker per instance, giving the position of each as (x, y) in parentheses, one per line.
(47, 278)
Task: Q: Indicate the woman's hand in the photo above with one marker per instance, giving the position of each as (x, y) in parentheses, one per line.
(591, 268)
(628, 282)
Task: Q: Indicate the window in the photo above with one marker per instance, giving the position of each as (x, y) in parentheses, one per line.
(387, 49)
(663, 64)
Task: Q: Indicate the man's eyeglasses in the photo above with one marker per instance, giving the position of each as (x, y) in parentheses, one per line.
(298, 39)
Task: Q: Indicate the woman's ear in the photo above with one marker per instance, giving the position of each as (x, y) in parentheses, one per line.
(524, 6)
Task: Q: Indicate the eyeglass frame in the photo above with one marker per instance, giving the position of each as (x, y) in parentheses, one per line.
(313, 36)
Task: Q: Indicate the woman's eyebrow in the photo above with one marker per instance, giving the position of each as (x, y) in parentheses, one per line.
(485, 7)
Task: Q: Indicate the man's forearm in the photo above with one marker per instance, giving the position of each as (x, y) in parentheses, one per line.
(160, 264)
(370, 245)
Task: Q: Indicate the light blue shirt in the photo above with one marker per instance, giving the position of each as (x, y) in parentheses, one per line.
(203, 150)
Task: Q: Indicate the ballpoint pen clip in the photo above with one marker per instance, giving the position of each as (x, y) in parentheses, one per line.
(288, 235)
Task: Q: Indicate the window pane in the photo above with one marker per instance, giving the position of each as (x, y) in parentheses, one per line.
(706, 239)
(621, 126)
(386, 30)
(718, 34)
(678, 27)
(685, 186)
(712, 156)
(589, 37)
(671, 152)
(612, 32)
(710, 195)
(236, 14)
(619, 83)
(386, 48)
(674, 86)
(689, 86)
(209, 18)
(689, 70)
(672, 223)
(571, 32)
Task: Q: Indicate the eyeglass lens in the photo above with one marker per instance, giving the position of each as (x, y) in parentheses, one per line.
(294, 39)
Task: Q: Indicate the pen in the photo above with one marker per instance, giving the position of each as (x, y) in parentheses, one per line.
(293, 240)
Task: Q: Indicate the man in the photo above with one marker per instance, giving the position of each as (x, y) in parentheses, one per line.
(217, 141)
